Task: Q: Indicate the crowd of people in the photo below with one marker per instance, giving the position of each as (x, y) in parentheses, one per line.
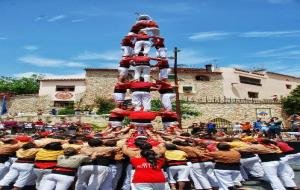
(132, 154)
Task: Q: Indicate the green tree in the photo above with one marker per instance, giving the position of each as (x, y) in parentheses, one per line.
(104, 105)
(291, 103)
(25, 85)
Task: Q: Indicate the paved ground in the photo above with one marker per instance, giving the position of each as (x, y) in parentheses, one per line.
(265, 186)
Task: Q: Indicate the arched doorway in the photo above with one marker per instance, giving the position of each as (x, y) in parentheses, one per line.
(221, 123)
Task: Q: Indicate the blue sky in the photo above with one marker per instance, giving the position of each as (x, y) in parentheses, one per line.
(62, 37)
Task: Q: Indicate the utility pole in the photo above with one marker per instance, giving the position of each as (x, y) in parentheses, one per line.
(178, 111)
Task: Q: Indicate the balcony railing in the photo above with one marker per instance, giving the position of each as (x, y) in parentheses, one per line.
(224, 100)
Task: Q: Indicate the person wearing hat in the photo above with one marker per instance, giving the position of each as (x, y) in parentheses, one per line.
(63, 175)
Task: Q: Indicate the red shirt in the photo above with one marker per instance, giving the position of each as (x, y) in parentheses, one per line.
(162, 64)
(140, 37)
(126, 41)
(142, 115)
(165, 87)
(118, 114)
(144, 173)
(121, 87)
(284, 147)
(141, 85)
(125, 62)
(159, 42)
(39, 123)
(169, 116)
(141, 60)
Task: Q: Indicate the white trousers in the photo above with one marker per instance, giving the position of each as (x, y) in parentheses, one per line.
(21, 173)
(271, 174)
(141, 99)
(40, 173)
(151, 31)
(253, 166)
(286, 174)
(142, 70)
(161, 52)
(126, 51)
(228, 178)
(149, 186)
(114, 124)
(166, 100)
(209, 169)
(123, 71)
(139, 44)
(182, 172)
(91, 177)
(119, 97)
(199, 176)
(4, 168)
(113, 177)
(164, 73)
(56, 182)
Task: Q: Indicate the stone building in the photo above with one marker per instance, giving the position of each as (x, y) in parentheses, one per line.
(224, 95)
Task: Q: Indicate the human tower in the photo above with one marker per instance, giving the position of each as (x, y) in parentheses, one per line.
(136, 46)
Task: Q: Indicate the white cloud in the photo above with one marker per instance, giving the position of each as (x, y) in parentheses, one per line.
(270, 34)
(49, 62)
(56, 18)
(106, 56)
(3, 38)
(286, 52)
(31, 47)
(40, 18)
(190, 57)
(209, 35)
(280, 1)
(49, 75)
(78, 20)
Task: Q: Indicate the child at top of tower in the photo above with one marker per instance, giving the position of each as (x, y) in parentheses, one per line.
(145, 23)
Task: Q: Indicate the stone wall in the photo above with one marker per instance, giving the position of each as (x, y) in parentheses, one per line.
(28, 104)
(99, 84)
(233, 112)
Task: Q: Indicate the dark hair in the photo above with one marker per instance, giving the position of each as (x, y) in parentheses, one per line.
(181, 143)
(110, 143)
(95, 142)
(171, 147)
(223, 146)
(150, 156)
(70, 151)
(267, 141)
(185, 134)
(28, 146)
(72, 141)
(145, 146)
(53, 146)
(139, 142)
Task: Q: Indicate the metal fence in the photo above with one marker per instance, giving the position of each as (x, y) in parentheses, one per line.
(223, 100)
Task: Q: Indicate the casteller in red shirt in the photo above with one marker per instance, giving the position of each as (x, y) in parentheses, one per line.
(284, 147)
(144, 173)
